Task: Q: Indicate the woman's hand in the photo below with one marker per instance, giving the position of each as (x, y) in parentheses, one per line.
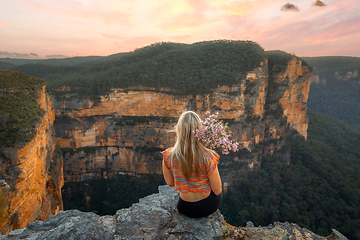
(169, 178)
(215, 181)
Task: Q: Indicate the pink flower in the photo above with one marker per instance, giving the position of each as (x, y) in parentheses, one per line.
(215, 134)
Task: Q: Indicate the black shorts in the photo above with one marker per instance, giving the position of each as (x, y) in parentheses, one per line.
(201, 208)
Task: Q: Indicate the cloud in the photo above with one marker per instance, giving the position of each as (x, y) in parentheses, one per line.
(83, 27)
(289, 7)
(108, 12)
(319, 3)
(18, 55)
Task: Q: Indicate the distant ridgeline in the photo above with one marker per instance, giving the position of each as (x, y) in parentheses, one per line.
(193, 68)
(335, 83)
(335, 87)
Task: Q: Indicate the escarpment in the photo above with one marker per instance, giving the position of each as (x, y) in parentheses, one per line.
(31, 174)
(125, 130)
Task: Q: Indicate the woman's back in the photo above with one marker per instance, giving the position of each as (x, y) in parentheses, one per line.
(195, 186)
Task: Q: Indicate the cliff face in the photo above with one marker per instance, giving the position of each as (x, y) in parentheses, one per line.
(32, 175)
(128, 127)
(292, 88)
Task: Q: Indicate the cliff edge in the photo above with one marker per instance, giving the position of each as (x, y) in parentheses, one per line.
(154, 217)
(31, 173)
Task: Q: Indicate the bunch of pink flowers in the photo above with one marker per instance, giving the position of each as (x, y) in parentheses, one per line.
(215, 134)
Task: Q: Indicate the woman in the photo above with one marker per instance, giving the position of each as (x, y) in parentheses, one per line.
(191, 168)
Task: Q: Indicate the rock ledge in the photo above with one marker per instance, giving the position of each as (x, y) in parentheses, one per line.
(154, 217)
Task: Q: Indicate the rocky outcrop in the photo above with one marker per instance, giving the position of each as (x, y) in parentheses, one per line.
(277, 231)
(32, 175)
(128, 127)
(155, 217)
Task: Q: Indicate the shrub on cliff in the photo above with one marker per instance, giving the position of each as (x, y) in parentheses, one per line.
(19, 110)
(279, 60)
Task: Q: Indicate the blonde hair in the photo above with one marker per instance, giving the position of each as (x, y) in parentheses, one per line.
(187, 149)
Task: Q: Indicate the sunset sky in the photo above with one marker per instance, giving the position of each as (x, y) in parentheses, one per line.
(68, 28)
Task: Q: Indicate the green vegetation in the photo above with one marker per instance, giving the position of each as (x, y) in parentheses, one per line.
(5, 66)
(337, 98)
(106, 196)
(65, 119)
(147, 149)
(19, 110)
(135, 120)
(185, 68)
(279, 60)
(54, 61)
(54, 161)
(319, 189)
(66, 151)
(4, 208)
(328, 65)
(87, 150)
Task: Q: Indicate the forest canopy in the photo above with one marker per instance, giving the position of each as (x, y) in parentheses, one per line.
(186, 68)
(318, 190)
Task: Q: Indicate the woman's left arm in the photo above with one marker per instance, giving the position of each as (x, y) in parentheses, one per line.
(169, 178)
(215, 181)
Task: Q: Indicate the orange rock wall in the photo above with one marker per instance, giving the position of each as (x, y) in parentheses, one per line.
(257, 109)
(123, 146)
(243, 101)
(33, 188)
(290, 91)
(294, 96)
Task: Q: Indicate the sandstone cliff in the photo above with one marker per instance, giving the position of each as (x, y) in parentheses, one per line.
(156, 217)
(127, 127)
(32, 174)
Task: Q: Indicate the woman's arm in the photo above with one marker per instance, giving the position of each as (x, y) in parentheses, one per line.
(215, 181)
(169, 178)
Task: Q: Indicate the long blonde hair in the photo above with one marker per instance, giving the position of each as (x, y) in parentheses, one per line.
(187, 149)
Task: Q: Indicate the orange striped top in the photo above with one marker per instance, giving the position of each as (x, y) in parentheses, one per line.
(195, 183)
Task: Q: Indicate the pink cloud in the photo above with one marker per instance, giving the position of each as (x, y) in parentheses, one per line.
(310, 27)
(198, 5)
(80, 10)
(185, 21)
(88, 27)
(289, 7)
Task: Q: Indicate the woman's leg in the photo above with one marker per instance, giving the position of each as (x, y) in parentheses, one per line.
(200, 208)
